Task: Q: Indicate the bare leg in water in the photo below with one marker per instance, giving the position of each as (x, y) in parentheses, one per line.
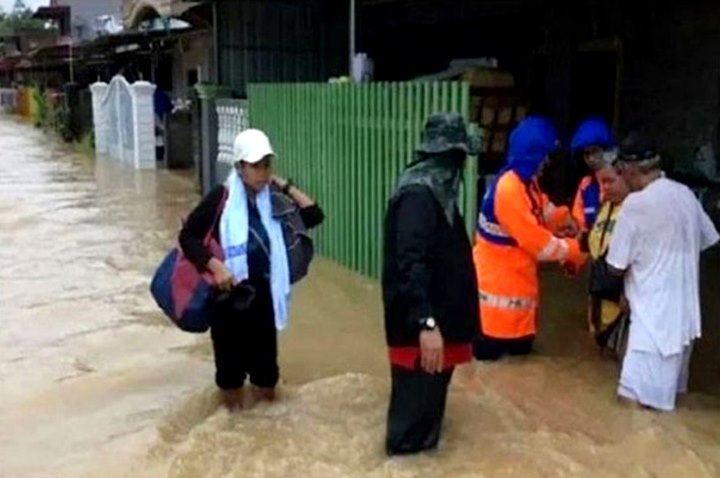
(264, 394)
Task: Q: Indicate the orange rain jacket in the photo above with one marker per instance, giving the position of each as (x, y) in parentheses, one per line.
(515, 233)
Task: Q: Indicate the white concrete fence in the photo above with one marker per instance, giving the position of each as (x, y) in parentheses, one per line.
(124, 121)
(8, 100)
(233, 118)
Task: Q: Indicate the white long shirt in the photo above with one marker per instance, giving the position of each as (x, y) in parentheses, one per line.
(658, 238)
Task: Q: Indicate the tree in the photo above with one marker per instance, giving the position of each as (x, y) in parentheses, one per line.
(20, 7)
(20, 18)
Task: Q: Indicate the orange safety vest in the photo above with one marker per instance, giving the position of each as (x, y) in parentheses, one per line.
(514, 233)
(587, 203)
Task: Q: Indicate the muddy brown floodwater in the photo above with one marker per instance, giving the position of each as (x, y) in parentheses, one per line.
(96, 382)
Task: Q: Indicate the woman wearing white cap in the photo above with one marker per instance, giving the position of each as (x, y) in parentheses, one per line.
(255, 276)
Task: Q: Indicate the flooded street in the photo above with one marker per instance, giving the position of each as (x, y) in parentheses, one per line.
(97, 382)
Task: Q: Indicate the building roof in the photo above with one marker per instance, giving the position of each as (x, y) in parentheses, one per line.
(98, 50)
(51, 13)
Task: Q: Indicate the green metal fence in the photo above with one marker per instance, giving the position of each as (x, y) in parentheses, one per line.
(346, 144)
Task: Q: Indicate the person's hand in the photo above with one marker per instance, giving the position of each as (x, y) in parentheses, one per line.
(431, 351)
(222, 276)
(568, 229)
(279, 182)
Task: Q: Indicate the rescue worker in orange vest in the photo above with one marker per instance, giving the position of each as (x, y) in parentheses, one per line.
(594, 139)
(518, 227)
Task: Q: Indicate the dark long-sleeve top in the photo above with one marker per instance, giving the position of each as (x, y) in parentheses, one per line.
(428, 271)
(200, 220)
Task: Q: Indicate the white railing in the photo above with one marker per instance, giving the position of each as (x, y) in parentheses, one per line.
(232, 119)
(8, 100)
(124, 120)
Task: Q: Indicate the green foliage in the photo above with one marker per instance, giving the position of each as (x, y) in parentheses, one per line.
(19, 18)
(38, 96)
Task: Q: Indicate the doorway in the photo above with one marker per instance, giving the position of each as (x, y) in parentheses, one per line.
(595, 81)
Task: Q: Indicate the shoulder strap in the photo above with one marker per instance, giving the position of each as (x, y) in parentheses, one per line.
(537, 211)
(218, 213)
(606, 225)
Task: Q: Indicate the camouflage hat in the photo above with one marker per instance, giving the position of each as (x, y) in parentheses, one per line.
(447, 132)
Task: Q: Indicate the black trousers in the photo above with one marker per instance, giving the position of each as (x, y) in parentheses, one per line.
(489, 348)
(245, 342)
(417, 408)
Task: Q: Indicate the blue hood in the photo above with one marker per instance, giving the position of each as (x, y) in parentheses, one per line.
(530, 143)
(592, 132)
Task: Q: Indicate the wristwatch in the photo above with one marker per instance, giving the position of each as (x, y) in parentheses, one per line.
(428, 324)
(288, 184)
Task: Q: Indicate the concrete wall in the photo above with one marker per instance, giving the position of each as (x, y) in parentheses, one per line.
(671, 77)
(192, 53)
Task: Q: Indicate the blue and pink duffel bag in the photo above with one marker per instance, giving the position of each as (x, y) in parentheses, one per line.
(184, 293)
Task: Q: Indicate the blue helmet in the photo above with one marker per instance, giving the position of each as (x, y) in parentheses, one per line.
(592, 132)
(530, 143)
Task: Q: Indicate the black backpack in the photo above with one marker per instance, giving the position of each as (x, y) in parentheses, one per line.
(299, 244)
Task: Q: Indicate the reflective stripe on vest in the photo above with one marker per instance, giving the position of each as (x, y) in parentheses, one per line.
(591, 202)
(487, 224)
(548, 211)
(555, 250)
(506, 302)
(493, 232)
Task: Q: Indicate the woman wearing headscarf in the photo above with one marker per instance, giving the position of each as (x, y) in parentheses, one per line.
(518, 227)
(608, 312)
(254, 278)
(429, 289)
(594, 141)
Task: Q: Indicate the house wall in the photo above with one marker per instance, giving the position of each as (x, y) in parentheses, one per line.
(411, 39)
(85, 12)
(279, 40)
(192, 53)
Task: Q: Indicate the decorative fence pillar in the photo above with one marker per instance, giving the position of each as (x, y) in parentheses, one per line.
(124, 121)
(144, 125)
(232, 118)
(100, 120)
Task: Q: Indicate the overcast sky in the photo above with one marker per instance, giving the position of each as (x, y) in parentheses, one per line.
(8, 4)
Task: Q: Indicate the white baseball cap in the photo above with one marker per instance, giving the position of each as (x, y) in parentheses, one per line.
(251, 146)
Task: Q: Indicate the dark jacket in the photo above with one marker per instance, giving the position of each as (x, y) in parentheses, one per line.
(428, 271)
(201, 218)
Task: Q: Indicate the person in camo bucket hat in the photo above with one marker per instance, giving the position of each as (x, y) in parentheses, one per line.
(440, 159)
(429, 287)
(446, 132)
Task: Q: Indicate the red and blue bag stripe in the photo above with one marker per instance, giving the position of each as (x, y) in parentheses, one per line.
(183, 293)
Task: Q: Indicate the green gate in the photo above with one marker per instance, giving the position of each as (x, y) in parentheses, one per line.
(346, 144)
